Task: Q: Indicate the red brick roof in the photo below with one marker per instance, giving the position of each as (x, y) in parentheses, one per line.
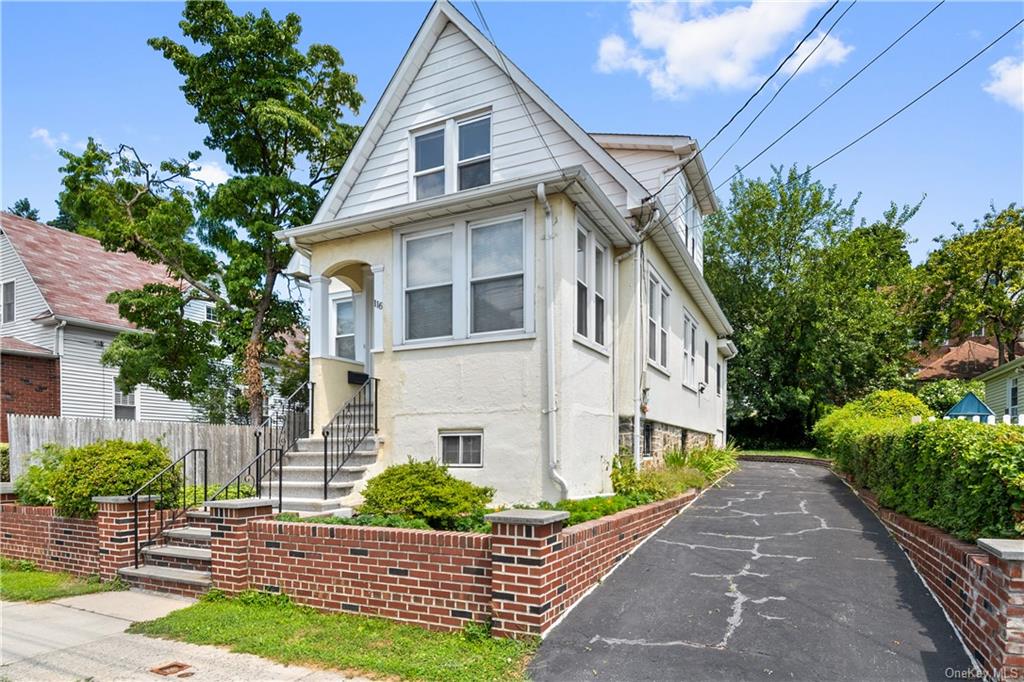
(14, 345)
(74, 273)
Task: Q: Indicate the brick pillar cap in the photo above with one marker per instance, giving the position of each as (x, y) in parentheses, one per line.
(528, 517)
(6, 487)
(124, 499)
(1011, 550)
(244, 503)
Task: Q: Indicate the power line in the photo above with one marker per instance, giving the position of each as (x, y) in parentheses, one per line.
(515, 86)
(832, 94)
(751, 98)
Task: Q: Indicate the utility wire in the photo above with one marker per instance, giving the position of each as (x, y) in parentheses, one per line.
(515, 86)
(749, 99)
(832, 94)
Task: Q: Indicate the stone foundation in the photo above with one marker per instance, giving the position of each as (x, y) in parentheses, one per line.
(663, 438)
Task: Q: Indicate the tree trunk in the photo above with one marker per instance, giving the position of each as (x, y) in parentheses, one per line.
(252, 373)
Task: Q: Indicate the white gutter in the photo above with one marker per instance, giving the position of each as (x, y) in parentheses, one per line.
(549, 341)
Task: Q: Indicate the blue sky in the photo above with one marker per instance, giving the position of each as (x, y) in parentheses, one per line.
(71, 70)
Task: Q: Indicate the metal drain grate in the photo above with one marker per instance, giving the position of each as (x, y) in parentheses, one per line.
(170, 669)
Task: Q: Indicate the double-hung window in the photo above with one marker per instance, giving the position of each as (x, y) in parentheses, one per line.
(344, 329)
(124, 405)
(1013, 397)
(707, 362)
(657, 322)
(592, 277)
(451, 156)
(472, 278)
(496, 276)
(689, 349)
(718, 378)
(428, 286)
(7, 296)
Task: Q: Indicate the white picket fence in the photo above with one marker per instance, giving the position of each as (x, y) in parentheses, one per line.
(229, 446)
(993, 420)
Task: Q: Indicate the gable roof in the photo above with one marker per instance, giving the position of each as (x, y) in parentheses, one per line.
(440, 15)
(74, 273)
(12, 345)
(966, 360)
(970, 406)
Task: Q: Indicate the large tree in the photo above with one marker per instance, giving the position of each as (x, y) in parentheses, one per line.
(276, 113)
(23, 208)
(974, 280)
(814, 299)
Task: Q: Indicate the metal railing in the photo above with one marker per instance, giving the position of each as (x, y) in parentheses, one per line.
(349, 427)
(265, 467)
(289, 419)
(174, 496)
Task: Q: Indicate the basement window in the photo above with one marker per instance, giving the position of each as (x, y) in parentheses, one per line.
(463, 449)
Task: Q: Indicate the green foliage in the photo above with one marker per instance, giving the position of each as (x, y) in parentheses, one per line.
(35, 485)
(23, 208)
(709, 460)
(974, 279)
(5, 462)
(377, 520)
(269, 626)
(276, 112)
(815, 301)
(943, 394)
(194, 495)
(665, 482)
(426, 491)
(113, 467)
(879, 406)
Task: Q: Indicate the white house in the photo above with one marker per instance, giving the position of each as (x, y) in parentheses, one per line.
(523, 305)
(55, 324)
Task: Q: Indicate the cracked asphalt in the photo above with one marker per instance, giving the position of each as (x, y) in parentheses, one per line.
(779, 573)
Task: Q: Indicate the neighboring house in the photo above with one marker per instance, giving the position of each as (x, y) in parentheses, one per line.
(55, 324)
(966, 360)
(520, 328)
(1004, 388)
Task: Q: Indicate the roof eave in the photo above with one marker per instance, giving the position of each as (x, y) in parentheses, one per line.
(1005, 368)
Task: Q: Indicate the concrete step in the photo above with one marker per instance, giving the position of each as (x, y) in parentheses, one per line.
(312, 505)
(301, 472)
(190, 583)
(370, 443)
(306, 489)
(360, 458)
(188, 536)
(178, 557)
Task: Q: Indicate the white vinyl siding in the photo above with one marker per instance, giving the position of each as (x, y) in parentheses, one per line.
(87, 386)
(28, 301)
(457, 79)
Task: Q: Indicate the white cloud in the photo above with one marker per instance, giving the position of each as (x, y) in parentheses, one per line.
(51, 141)
(1007, 82)
(830, 52)
(683, 48)
(212, 173)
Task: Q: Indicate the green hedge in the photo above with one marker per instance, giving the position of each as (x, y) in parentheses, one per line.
(960, 476)
(426, 491)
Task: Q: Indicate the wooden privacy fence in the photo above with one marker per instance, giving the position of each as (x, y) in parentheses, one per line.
(230, 446)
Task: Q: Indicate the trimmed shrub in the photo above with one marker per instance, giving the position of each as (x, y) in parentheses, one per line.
(35, 485)
(897, 405)
(113, 467)
(943, 394)
(359, 520)
(426, 491)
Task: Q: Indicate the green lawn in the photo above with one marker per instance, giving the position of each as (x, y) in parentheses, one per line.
(806, 454)
(22, 581)
(272, 627)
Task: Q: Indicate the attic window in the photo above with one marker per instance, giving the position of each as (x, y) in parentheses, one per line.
(475, 153)
(451, 156)
(7, 296)
(430, 164)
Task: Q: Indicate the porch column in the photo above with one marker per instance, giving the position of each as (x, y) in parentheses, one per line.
(377, 342)
(319, 316)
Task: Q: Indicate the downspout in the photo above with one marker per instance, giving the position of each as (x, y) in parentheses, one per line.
(58, 348)
(638, 340)
(549, 341)
(615, 326)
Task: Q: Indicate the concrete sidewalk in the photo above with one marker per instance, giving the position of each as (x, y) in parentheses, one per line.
(84, 637)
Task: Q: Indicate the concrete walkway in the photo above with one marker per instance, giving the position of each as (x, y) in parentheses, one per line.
(781, 573)
(84, 638)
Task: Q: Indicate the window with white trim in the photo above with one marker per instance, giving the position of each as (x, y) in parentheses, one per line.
(657, 322)
(718, 378)
(428, 172)
(689, 349)
(7, 309)
(211, 313)
(124, 405)
(593, 272)
(707, 362)
(1013, 397)
(345, 328)
(451, 156)
(463, 449)
(470, 279)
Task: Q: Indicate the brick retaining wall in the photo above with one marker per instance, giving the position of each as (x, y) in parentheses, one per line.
(981, 593)
(53, 543)
(787, 459)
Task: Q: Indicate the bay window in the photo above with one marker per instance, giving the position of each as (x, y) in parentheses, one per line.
(592, 276)
(467, 279)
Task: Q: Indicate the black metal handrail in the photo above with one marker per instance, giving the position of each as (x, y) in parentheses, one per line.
(348, 428)
(289, 419)
(173, 495)
(265, 466)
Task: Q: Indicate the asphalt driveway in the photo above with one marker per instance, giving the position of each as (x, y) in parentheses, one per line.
(780, 573)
